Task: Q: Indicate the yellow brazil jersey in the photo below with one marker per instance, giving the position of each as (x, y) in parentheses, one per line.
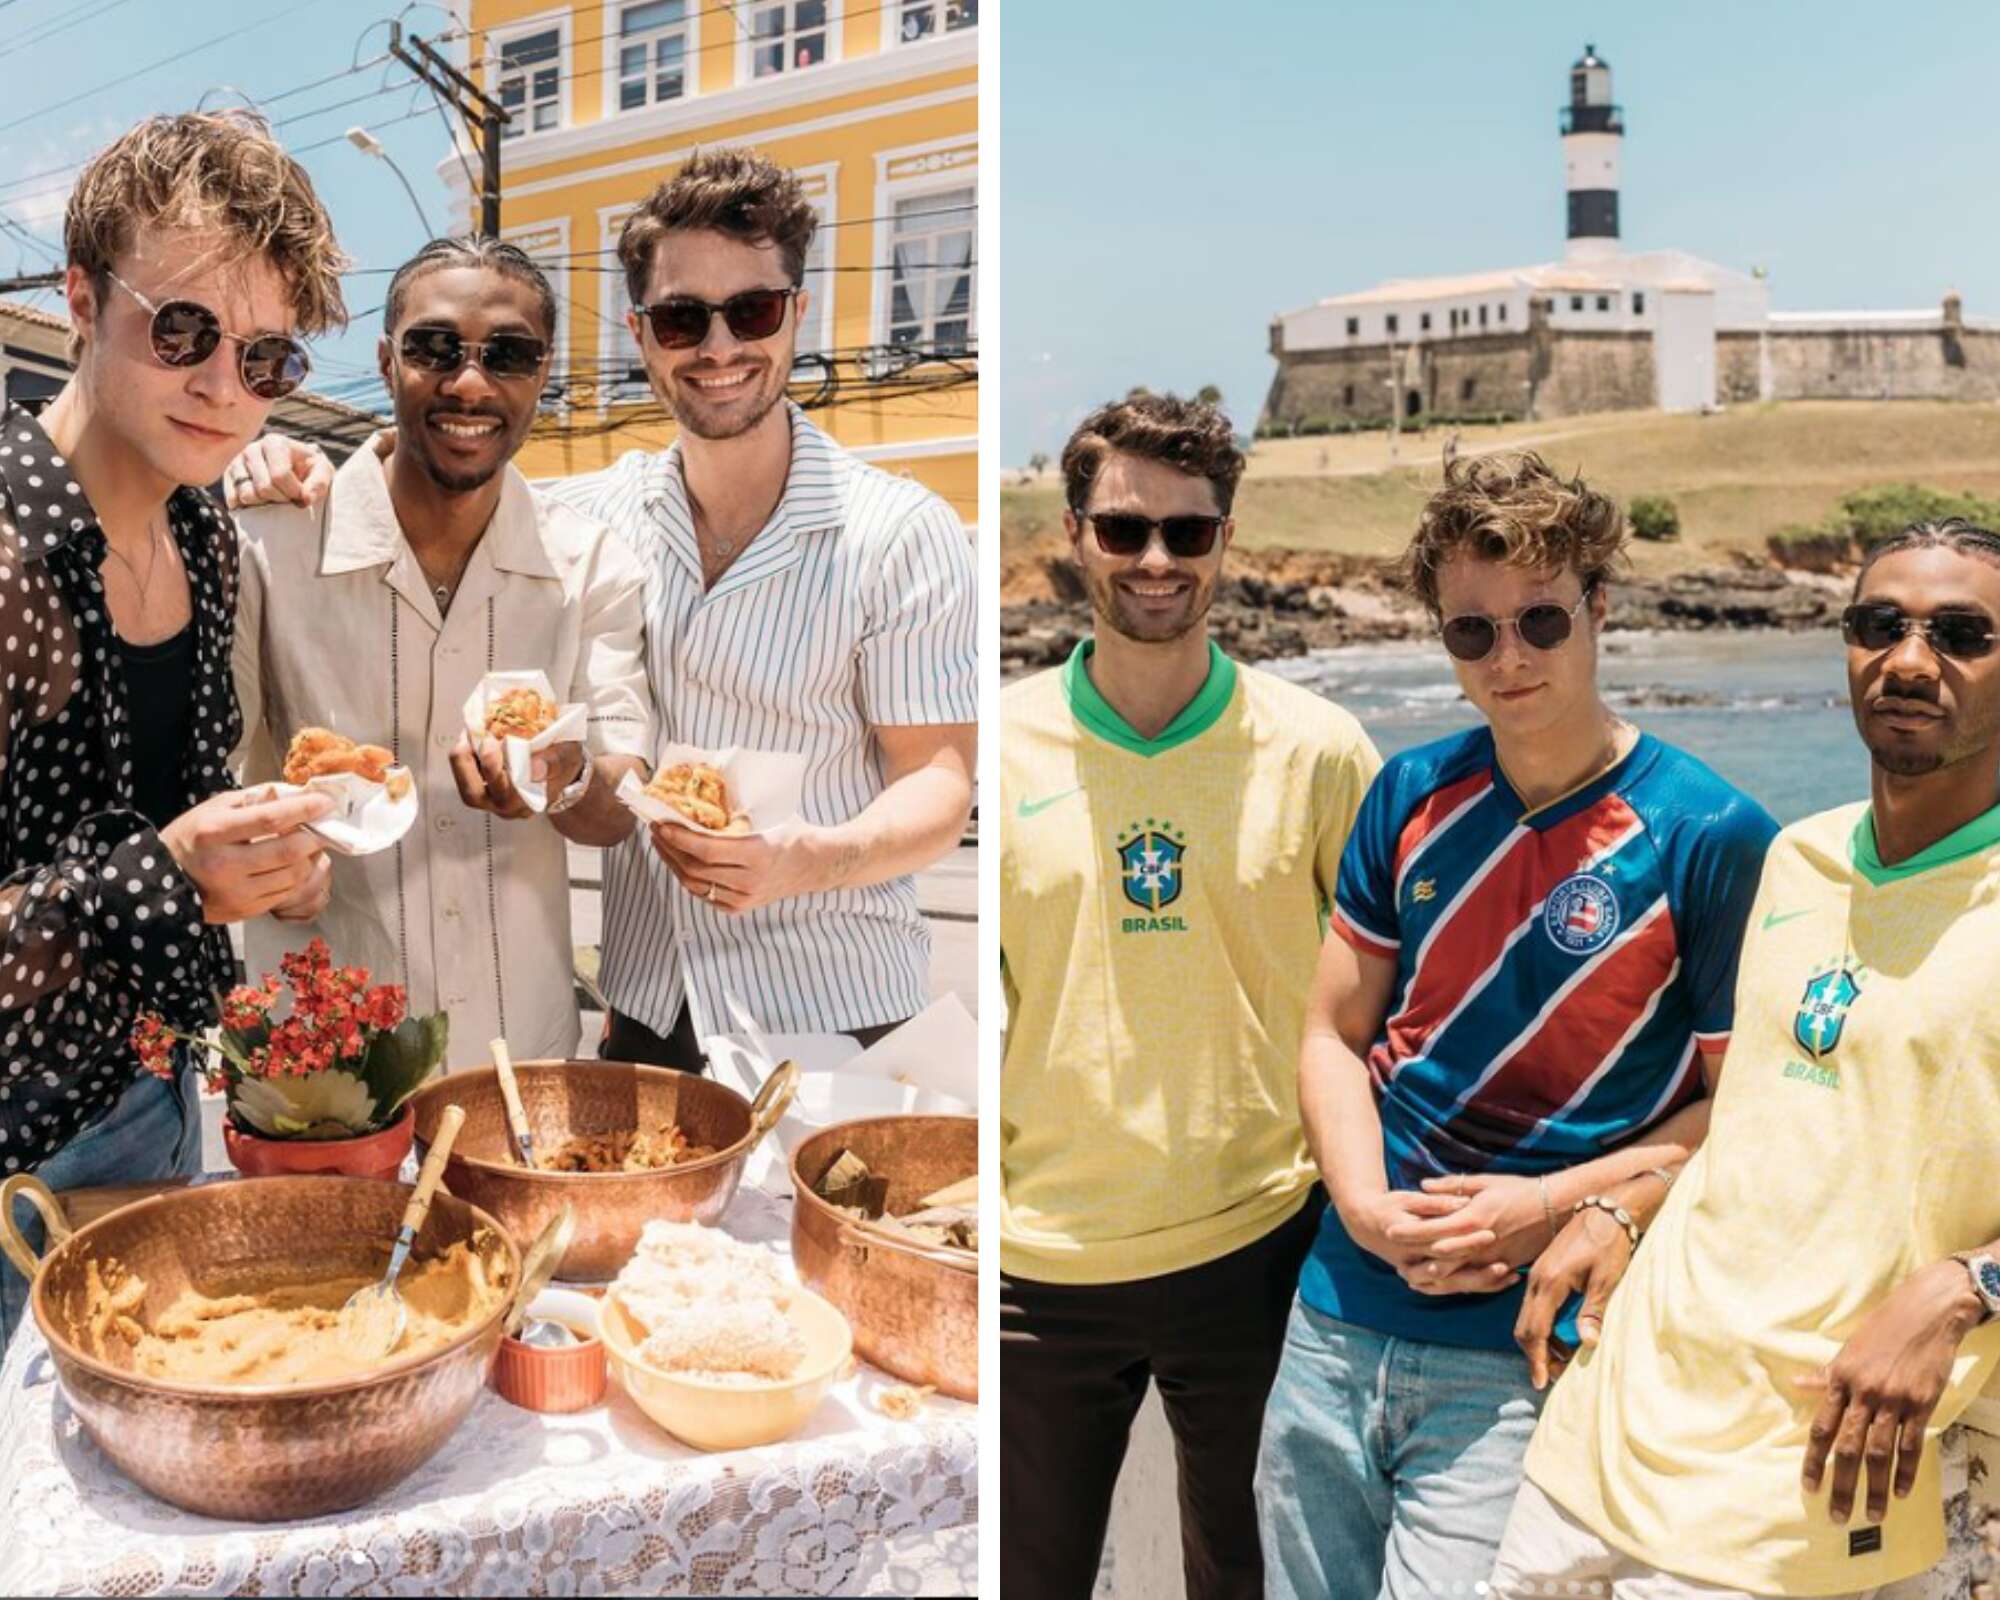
(1855, 1139)
(1161, 908)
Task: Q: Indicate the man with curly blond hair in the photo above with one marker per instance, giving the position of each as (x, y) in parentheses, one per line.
(1516, 1020)
(197, 255)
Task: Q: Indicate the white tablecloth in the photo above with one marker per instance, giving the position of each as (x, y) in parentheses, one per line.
(600, 1502)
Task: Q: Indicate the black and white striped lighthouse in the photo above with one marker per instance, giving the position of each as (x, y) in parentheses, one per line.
(1592, 130)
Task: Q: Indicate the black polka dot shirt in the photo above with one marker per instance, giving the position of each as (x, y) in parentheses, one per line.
(97, 922)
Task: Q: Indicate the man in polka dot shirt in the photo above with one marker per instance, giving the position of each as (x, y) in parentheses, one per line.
(197, 252)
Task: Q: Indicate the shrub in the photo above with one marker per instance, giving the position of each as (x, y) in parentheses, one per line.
(1653, 517)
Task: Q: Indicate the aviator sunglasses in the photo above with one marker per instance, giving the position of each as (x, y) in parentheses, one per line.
(185, 333)
(1544, 625)
(1126, 533)
(445, 350)
(681, 321)
(1877, 625)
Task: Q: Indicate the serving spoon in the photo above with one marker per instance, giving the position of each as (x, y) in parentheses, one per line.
(510, 1097)
(375, 1316)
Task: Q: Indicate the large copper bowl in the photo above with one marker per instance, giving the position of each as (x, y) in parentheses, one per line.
(563, 1099)
(263, 1452)
(915, 1312)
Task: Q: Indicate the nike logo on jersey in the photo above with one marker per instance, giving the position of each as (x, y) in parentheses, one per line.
(1773, 919)
(1034, 808)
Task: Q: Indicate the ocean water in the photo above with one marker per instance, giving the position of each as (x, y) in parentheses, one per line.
(1768, 710)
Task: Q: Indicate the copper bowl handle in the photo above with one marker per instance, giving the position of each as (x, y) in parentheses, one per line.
(773, 1100)
(39, 1195)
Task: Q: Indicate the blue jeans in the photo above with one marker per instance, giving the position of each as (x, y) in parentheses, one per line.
(1387, 1466)
(152, 1133)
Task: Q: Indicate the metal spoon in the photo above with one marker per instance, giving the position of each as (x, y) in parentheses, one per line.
(510, 1097)
(538, 1270)
(375, 1317)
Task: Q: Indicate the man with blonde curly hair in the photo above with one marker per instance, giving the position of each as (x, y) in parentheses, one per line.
(1515, 1022)
(197, 255)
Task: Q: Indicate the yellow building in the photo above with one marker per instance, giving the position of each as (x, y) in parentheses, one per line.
(873, 102)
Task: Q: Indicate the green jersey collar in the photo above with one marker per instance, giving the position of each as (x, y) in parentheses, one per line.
(1981, 833)
(1196, 717)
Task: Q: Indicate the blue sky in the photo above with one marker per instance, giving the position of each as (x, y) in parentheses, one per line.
(1173, 172)
(264, 47)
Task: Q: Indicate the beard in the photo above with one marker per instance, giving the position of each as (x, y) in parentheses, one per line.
(704, 420)
(1110, 609)
(458, 482)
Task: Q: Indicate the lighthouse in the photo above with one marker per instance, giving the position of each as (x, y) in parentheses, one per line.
(1592, 130)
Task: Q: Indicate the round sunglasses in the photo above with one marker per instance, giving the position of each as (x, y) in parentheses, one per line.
(1126, 533)
(185, 333)
(444, 350)
(1545, 626)
(1877, 625)
(681, 321)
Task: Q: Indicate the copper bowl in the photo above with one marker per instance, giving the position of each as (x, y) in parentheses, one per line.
(915, 1312)
(259, 1452)
(564, 1099)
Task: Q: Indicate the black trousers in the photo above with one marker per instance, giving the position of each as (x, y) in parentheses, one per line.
(1075, 1360)
(626, 1039)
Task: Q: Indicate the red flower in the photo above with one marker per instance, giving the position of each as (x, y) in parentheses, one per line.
(155, 1045)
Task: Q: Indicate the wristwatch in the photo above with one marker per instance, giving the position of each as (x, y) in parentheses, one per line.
(578, 788)
(1985, 1273)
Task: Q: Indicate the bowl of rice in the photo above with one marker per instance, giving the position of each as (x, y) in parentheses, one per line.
(716, 1343)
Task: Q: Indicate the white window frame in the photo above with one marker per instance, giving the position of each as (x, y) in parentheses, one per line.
(888, 191)
(499, 37)
(610, 221)
(566, 307)
(894, 24)
(746, 41)
(611, 17)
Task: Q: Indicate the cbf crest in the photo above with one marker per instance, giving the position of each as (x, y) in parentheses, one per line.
(1581, 914)
(1149, 861)
(1823, 1011)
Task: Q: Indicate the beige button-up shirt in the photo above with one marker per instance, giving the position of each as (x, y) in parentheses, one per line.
(337, 628)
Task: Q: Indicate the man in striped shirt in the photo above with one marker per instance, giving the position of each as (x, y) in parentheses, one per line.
(797, 600)
(1526, 993)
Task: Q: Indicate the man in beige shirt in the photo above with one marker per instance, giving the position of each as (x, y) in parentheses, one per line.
(376, 613)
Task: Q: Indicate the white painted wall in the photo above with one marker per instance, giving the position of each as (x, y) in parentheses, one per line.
(1684, 349)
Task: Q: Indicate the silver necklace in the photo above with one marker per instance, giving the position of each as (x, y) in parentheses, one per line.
(145, 584)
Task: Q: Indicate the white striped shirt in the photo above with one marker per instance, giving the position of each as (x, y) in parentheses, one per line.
(853, 608)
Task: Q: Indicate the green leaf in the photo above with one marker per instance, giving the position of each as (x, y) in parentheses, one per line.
(321, 1105)
(397, 1064)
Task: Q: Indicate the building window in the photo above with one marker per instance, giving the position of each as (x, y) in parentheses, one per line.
(1482, 316)
(1604, 302)
(1389, 324)
(1424, 323)
(1576, 302)
(1501, 309)
(1353, 327)
(531, 82)
(1638, 304)
(787, 37)
(930, 290)
(1466, 388)
(652, 53)
(1347, 394)
(920, 18)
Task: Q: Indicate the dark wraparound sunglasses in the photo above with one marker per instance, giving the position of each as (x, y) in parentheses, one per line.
(185, 333)
(505, 355)
(1546, 625)
(681, 321)
(1126, 533)
(1877, 625)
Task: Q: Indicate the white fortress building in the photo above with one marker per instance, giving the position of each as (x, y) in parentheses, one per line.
(1601, 329)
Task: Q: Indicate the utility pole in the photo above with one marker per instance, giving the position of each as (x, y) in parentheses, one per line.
(31, 280)
(474, 105)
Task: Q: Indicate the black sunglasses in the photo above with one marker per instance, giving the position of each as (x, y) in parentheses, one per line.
(1877, 625)
(681, 321)
(1126, 533)
(1545, 625)
(185, 333)
(505, 355)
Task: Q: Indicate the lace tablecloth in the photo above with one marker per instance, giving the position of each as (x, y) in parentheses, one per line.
(600, 1502)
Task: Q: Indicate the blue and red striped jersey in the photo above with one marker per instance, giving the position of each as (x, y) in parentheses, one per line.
(1555, 972)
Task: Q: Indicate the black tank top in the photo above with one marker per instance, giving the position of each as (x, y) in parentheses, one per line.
(159, 682)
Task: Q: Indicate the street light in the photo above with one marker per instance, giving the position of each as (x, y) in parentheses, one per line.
(369, 145)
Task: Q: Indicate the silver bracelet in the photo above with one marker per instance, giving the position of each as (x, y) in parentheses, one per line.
(1664, 1174)
(1548, 1206)
(1615, 1211)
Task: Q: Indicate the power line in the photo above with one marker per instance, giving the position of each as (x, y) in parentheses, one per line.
(49, 27)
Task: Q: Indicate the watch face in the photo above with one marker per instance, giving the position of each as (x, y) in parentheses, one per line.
(1987, 1275)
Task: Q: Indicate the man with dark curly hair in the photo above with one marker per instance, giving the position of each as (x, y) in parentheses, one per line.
(1508, 1048)
(1171, 823)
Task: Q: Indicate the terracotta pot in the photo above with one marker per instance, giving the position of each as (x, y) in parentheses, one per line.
(373, 1155)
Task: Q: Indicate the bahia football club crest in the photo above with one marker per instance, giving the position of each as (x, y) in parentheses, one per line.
(1149, 864)
(1823, 1011)
(1581, 914)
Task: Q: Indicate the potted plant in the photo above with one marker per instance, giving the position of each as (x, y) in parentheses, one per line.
(321, 1085)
